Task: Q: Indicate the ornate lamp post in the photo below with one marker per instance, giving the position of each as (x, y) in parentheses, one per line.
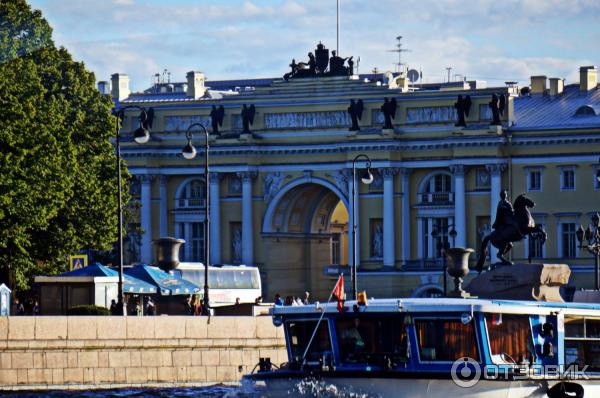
(141, 135)
(189, 152)
(592, 236)
(452, 233)
(366, 178)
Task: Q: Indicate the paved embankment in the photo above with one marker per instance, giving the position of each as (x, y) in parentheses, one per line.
(106, 352)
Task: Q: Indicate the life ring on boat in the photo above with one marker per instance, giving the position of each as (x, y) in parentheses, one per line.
(566, 389)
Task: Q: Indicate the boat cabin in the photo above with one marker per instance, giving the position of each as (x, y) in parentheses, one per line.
(429, 335)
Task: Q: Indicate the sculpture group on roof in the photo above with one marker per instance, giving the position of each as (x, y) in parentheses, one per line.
(320, 64)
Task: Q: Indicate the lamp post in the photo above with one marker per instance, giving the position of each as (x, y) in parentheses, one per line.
(452, 233)
(592, 236)
(189, 152)
(141, 136)
(366, 178)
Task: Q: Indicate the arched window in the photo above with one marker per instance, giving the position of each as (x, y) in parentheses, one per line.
(437, 189)
(192, 195)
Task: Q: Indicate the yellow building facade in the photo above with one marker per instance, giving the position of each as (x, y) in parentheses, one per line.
(281, 194)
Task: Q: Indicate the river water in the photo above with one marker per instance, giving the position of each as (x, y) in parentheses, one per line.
(212, 392)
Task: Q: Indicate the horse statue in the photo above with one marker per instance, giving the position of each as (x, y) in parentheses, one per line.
(514, 229)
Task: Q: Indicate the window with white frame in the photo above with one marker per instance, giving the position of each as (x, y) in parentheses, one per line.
(535, 247)
(567, 179)
(534, 180)
(568, 240)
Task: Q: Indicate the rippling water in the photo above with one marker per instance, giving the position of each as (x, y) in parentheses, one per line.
(213, 392)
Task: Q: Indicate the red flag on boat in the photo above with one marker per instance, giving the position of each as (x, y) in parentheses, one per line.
(338, 293)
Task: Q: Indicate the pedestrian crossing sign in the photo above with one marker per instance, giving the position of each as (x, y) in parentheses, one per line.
(78, 261)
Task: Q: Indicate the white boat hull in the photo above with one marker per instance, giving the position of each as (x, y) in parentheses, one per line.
(412, 388)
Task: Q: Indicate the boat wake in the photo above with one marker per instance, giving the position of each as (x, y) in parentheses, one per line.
(312, 387)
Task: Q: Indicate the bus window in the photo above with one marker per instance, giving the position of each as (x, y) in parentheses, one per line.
(510, 338)
(377, 341)
(299, 333)
(445, 339)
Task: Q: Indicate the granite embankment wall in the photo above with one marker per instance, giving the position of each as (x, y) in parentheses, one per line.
(110, 352)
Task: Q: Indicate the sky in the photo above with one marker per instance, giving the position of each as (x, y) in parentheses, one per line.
(491, 40)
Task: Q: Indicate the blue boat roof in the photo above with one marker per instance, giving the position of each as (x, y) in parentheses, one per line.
(130, 284)
(558, 111)
(167, 284)
(413, 305)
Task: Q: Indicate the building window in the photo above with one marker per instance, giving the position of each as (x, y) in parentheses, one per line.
(534, 180)
(568, 240)
(197, 242)
(193, 195)
(335, 249)
(535, 246)
(567, 180)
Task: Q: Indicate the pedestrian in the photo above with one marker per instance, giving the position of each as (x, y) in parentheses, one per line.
(113, 307)
(278, 300)
(306, 296)
(258, 300)
(19, 309)
(187, 306)
(36, 308)
(150, 308)
(237, 301)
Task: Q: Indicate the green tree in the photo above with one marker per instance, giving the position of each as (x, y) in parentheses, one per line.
(57, 165)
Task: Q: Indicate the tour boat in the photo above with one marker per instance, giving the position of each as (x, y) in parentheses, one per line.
(436, 347)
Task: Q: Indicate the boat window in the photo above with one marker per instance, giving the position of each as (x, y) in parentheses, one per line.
(510, 338)
(445, 339)
(582, 342)
(376, 341)
(299, 333)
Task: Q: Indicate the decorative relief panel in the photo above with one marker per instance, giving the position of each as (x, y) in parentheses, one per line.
(431, 114)
(485, 112)
(237, 123)
(179, 124)
(307, 119)
(378, 118)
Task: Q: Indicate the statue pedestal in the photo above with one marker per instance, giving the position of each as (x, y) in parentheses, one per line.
(495, 129)
(540, 282)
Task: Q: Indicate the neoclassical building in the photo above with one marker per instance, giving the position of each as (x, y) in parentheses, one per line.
(281, 193)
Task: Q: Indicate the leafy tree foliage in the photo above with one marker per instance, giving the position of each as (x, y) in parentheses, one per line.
(57, 165)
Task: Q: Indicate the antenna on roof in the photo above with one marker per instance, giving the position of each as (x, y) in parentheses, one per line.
(399, 50)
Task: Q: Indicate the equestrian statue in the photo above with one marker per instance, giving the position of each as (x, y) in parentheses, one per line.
(512, 224)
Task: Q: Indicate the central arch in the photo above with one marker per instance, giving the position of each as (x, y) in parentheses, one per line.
(305, 231)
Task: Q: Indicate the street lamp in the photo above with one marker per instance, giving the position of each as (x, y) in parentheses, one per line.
(141, 135)
(189, 152)
(366, 178)
(592, 236)
(452, 233)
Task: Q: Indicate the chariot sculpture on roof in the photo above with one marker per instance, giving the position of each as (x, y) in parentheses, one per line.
(320, 64)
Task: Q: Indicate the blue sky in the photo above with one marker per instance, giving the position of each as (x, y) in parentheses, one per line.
(493, 40)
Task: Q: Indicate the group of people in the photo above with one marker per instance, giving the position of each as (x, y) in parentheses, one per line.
(193, 305)
(32, 307)
(134, 307)
(292, 300)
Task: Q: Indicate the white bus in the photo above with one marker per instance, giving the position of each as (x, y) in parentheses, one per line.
(225, 283)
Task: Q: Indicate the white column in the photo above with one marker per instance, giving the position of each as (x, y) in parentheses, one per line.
(495, 171)
(146, 219)
(389, 231)
(215, 219)
(405, 173)
(460, 224)
(247, 227)
(163, 206)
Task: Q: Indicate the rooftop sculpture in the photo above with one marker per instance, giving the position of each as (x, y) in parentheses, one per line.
(320, 64)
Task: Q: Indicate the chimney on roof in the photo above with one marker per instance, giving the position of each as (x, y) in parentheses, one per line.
(538, 84)
(120, 86)
(104, 87)
(588, 78)
(195, 84)
(557, 85)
